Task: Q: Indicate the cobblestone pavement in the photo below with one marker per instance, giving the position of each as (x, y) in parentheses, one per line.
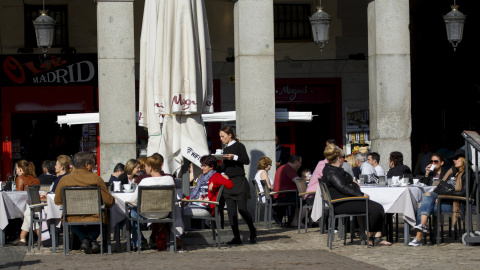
(276, 248)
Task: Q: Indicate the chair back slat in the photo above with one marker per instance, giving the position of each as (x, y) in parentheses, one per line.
(81, 200)
(45, 188)
(326, 194)
(156, 201)
(34, 196)
(301, 185)
(265, 189)
(220, 192)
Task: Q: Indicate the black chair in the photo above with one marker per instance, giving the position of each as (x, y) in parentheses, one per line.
(214, 220)
(81, 201)
(155, 204)
(332, 216)
(302, 191)
(271, 203)
(36, 208)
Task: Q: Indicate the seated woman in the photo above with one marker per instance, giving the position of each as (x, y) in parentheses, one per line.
(207, 188)
(456, 178)
(438, 161)
(26, 176)
(350, 159)
(341, 185)
(153, 167)
(132, 167)
(264, 165)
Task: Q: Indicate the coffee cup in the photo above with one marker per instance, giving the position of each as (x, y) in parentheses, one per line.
(127, 187)
(219, 152)
(432, 167)
(415, 181)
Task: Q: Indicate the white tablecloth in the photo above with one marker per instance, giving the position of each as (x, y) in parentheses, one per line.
(54, 212)
(12, 205)
(393, 199)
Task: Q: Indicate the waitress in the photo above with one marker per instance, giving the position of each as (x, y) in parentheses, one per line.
(234, 157)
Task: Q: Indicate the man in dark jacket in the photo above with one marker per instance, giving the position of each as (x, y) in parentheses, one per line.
(395, 161)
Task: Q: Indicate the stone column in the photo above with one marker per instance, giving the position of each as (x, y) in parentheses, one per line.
(389, 79)
(116, 83)
(255, 81)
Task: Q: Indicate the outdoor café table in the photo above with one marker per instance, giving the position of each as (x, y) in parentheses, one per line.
(54, 217)
(12, 205)
(117, 214)
(393, 199)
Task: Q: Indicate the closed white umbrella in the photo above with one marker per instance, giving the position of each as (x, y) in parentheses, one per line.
(175, 80)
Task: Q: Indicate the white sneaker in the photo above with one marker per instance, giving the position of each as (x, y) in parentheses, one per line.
(415, 243)
(421, 228)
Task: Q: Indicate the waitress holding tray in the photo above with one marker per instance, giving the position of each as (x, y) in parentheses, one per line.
(234, 157)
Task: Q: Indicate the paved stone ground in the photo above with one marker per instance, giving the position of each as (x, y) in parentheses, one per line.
(277, 248)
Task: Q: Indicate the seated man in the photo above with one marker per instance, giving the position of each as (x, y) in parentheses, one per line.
(83, 176)
(119, 168)
(395, 161)
(48, 176)
(284, 177)
(374, 159)
(365, 167)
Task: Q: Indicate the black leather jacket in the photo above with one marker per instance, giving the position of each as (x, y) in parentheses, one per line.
(340, 184)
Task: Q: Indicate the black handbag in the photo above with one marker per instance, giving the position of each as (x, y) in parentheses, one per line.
(444, 188)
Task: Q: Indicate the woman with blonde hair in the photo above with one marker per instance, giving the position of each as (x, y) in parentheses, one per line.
(26, 175)
(340, 184)
(131, 171)
(350, 159)
(63, 166)
(453, 183)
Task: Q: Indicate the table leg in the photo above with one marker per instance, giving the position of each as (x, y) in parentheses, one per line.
(53, 235)
(406, 233)
(116, 236)
(2, 238)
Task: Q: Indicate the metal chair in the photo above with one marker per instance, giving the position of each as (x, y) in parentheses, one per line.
(270, 203)
(81, 201)
(441, 198)
(302, 191)
(215, 218)
(332, 216)
(45, 188)
(36, 208)
(261, 201)
(155, 204)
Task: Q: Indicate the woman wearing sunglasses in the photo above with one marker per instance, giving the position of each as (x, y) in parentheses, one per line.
(455, 178)
(435, 170)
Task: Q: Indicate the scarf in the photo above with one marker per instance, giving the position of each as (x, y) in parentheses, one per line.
(458, 187)
(202, 181)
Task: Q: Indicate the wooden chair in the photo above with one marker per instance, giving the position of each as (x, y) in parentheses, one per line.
(302, 191)
(270, 203)
(214, 220)
(332, 216)
(259, 203)
(155, 204)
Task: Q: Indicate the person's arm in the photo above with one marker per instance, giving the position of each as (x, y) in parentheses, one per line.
(58, 193)
(264, 176)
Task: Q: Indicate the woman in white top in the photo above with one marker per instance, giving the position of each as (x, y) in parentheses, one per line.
(263, 166)
(153, 167)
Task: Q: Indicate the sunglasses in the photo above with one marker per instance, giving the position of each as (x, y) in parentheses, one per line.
(434, 161)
